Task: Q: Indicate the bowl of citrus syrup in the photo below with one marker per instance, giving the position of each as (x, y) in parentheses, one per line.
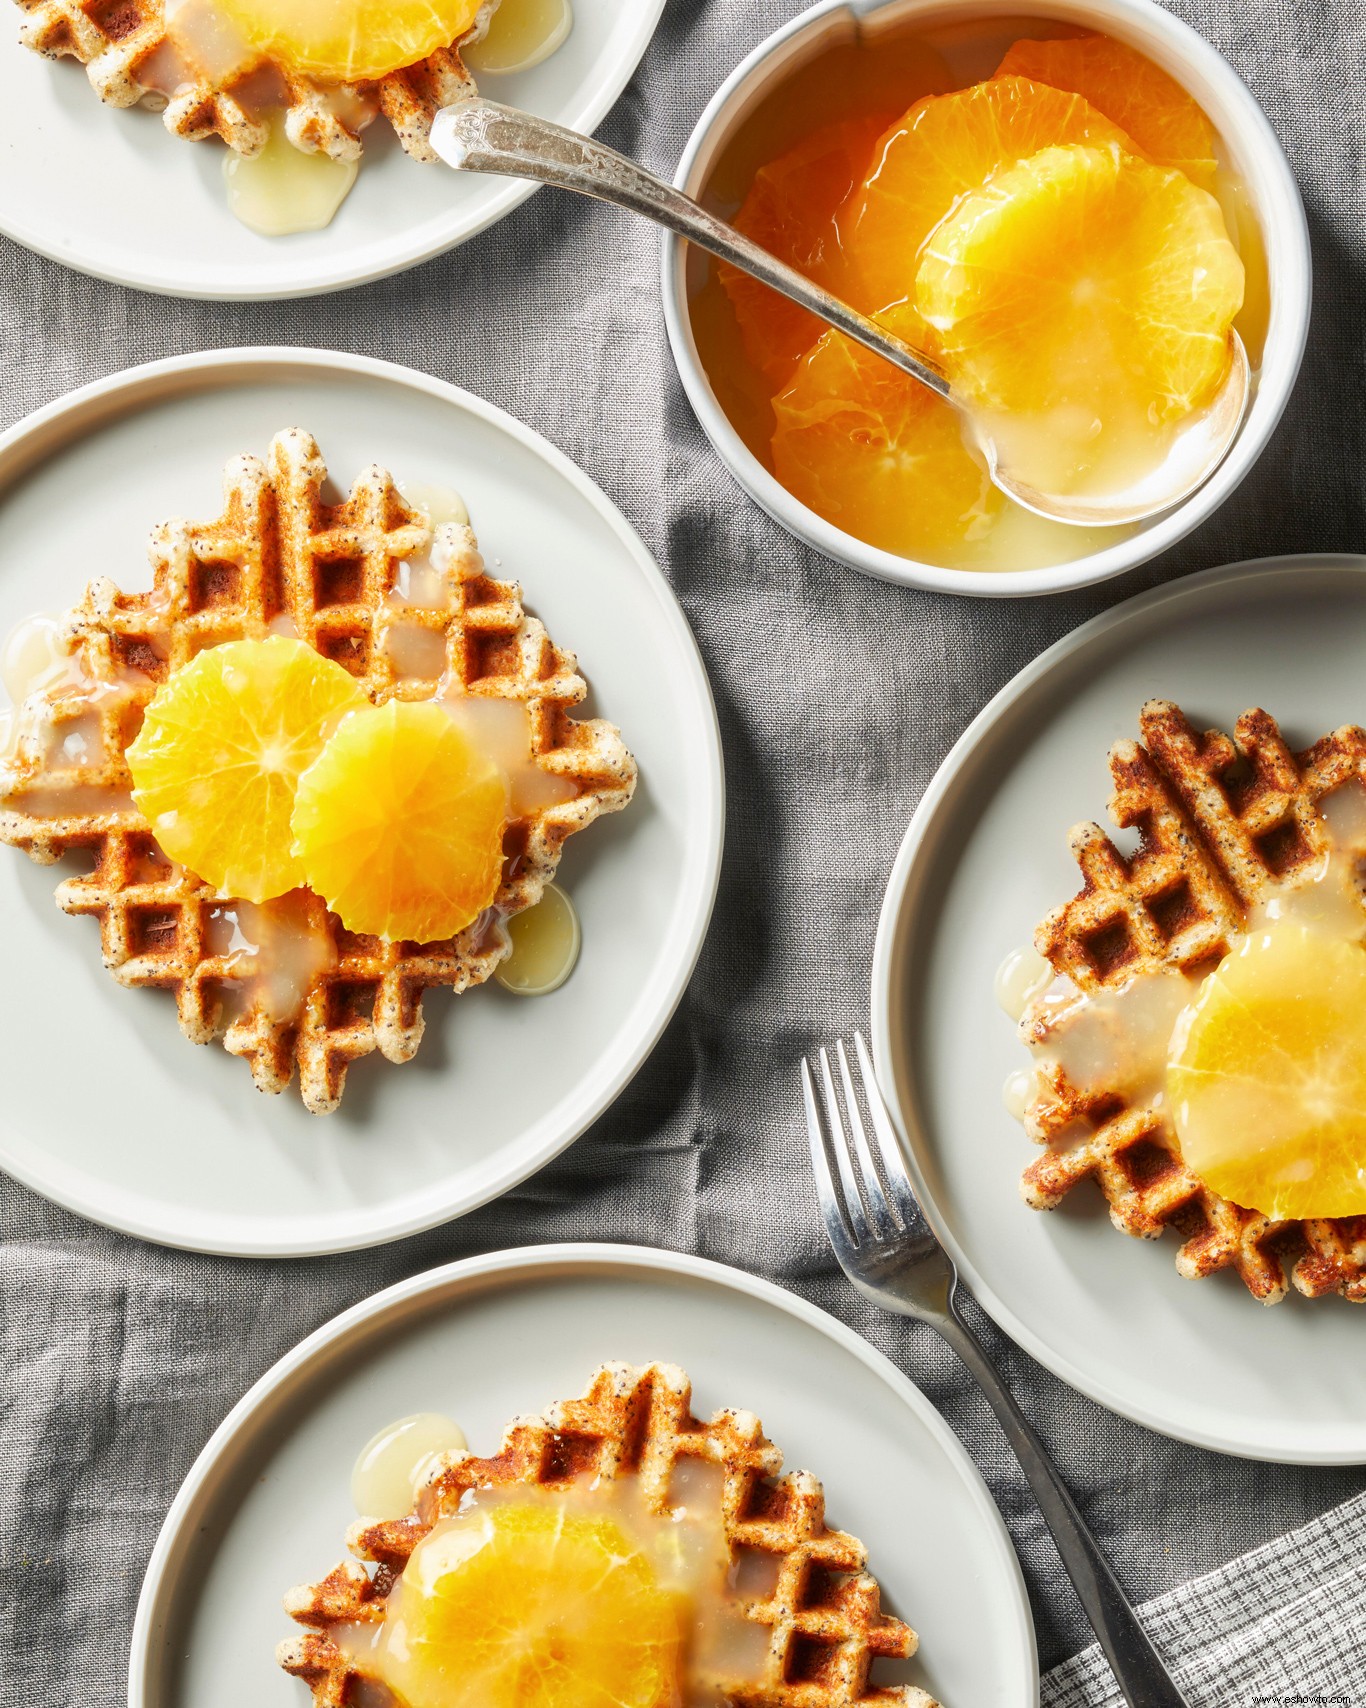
(1076, 205)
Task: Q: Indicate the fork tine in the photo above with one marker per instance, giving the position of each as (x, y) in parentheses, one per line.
(844, 1162)
(880, 1214)
(889, 1151)
(836, 1228)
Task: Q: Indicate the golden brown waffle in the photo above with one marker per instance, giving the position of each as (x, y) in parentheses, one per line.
(1221, 822)
(129, 56)
(824, 1613)
(278, 559)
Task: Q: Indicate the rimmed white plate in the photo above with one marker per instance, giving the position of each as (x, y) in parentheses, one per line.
(107, 1108)
(114, 193)
(266, 1503)
(984, 858)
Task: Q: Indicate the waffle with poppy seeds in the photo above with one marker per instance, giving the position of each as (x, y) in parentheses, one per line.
(1222, 821)
(823, 1613)
(280, 559)
(130, 56)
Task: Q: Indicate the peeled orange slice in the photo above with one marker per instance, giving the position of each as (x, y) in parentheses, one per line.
(790, 210)
(1267, 1076)
(219, 754)
(944, 148)
(883, 459)
(398, 824)
(878, 455)
(1165, 122)
(348, 41)
(1085, 295)
(529, 1607)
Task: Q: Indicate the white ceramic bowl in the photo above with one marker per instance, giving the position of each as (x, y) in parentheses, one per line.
(1253, 154)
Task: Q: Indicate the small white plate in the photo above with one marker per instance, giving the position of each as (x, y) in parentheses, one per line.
(984, 858)
(107, 1108)
(266, 1504)
(112, 192)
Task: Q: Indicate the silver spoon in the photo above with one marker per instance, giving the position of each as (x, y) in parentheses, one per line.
(481, 136)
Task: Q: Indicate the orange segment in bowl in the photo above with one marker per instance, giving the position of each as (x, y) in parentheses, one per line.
(944, 148)
(878, 455)
(1267, 1077)
(1165, 122)
(527, 1607)
(345, 41)
(220, 752)
(398, 824)
(791, 210)
(1082, 300)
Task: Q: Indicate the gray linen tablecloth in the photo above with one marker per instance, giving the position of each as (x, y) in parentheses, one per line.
(120, 1358)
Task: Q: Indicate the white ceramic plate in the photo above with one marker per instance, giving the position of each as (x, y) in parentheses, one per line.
(107, 1108)
(112, 192)
(984, 858)
(266, 1503)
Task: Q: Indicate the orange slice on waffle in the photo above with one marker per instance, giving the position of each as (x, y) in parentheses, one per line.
(346, 41)
(522, 1606)
(399, 823)
(1267, 1079)
(220, 752)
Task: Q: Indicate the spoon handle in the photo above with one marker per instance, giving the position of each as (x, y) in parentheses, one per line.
(481, 136)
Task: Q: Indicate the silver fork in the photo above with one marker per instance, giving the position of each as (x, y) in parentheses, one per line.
(885, 1247)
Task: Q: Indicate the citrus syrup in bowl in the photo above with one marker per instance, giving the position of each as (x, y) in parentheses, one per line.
(835, 169)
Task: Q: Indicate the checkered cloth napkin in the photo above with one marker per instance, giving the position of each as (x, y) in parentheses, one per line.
(1283, 1625)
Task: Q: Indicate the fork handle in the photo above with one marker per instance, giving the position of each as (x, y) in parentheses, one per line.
(1143, 1679)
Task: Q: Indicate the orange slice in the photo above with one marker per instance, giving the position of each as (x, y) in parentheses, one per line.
(398, 824)
(1164, 121)
(1267, 1077)
(520, 1606)
(944, 148)
(346, 41)
(1085, 295)
(878, 455)
(219, 756)
(790, 210)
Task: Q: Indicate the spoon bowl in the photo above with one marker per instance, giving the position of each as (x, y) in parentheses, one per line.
(1197, 449)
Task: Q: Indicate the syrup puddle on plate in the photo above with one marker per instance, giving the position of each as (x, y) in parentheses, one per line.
(281, 190)
(521, 34)
(545, 946)
(395, 1461)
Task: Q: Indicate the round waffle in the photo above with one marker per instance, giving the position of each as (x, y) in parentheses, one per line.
(824, 1614)
(279, 556)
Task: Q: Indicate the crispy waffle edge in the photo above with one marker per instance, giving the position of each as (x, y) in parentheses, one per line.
(117, 45)
(825, 1615)
(279, 551)
(1220, 820)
